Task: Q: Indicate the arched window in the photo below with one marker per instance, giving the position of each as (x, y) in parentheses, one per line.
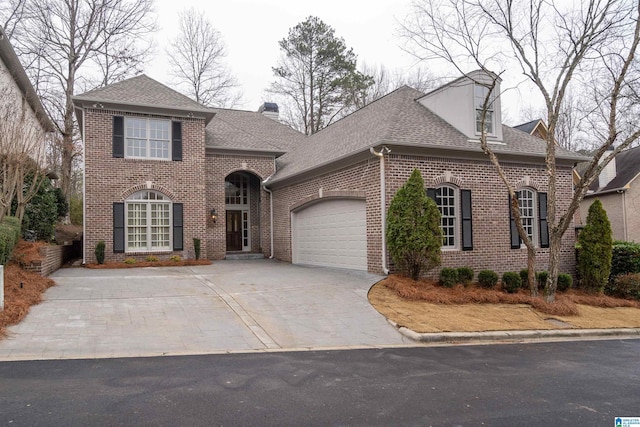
(148, 222)
(455, 216)
(446, 199)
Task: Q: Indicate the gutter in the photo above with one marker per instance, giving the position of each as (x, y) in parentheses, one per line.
(264, 186)
(84, 192)
(383, 211)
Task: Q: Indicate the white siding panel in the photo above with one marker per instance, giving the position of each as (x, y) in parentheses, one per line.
(331, 233)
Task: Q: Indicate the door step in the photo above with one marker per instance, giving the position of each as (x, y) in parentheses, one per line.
(245, 255)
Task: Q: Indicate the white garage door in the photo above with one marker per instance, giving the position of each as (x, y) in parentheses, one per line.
(331, 233)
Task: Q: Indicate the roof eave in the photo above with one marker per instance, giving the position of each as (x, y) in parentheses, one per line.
(244, 151)
(19, 75)
(85, 102)
(445, 150)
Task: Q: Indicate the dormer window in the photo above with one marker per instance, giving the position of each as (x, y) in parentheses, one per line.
(480, 93)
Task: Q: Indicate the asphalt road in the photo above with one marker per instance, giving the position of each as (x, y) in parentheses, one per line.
(585, 383)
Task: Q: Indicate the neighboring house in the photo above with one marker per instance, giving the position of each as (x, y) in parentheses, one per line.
(19, 100)
(535, 127)
(158, 164)
(618, 188)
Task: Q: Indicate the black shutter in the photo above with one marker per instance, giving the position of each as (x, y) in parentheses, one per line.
(178, 239)
(118, 227)
(118, 136)
(467, 228)
(176, 141)
(515, 237)
(431, 193)
(544, 226)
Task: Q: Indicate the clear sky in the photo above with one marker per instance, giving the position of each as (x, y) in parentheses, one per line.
(251, 30)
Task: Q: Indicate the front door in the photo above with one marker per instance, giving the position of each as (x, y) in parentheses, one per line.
(234, 230)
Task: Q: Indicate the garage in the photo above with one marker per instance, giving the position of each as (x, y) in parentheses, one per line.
(331, 233)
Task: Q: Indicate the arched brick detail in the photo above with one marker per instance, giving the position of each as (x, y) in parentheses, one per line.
(526, 181)
(326, 195)
(447, 178)
(154, 187)
(249, 170)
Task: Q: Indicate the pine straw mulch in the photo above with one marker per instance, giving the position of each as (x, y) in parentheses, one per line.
(566, 304)
(18, 300)
(161, 263)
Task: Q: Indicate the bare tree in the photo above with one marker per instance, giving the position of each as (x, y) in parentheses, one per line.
(555, 46)
(61, 40)
(386, 80)
(11, 12)
(22, 150)
(197, 57)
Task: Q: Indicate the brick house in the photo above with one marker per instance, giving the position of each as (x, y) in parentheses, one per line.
(158, 164)
(618, 188)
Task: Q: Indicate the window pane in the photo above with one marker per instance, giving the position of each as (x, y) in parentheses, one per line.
(446, 201)
(527, 211)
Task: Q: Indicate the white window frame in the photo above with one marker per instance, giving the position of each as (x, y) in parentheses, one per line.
(138, 199)
(244, 207)
(478, 103)
(531, 216)
(455, 217)
(148, 141)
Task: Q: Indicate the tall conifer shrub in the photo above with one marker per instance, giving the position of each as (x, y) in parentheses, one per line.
(414, 237)
(595, 248)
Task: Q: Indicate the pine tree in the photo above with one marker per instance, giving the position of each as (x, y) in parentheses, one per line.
(595, 246)
(414, 236)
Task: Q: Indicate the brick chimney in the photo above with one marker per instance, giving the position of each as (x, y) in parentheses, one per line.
(270, 109)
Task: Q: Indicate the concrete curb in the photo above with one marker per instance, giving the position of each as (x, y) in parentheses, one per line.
(448, 337)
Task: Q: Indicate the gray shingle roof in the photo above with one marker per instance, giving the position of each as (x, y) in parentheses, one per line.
(397, 118)
(143, 91)
(10, 59)
(627, 168)
(249, 130)
(528, 127)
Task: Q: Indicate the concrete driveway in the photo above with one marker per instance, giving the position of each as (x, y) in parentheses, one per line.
(230, 306)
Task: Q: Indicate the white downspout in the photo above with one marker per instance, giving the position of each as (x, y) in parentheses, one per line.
(84, 190)
(264, 186)
(383, 206)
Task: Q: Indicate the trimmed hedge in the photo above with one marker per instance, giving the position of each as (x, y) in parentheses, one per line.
(448, 277)
(488, 278)
(625, 259)
(465, 275)
(565, 281)
(541, 278)
(625, 286)
(9, 235)
(511, 282)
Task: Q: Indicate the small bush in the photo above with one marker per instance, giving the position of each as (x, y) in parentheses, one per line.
(487, 278)
(448, 277)
(625, 259)
(465, 275)
(175, 258)
(524, 276)
(130, 261)
(100, 252)
(196, 247)
(625, 286)
(511, 282)
(9, 235)
(565, 281)
(541, 278)
(152, 258)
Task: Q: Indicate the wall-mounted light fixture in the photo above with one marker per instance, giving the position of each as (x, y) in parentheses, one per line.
(214, 215)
